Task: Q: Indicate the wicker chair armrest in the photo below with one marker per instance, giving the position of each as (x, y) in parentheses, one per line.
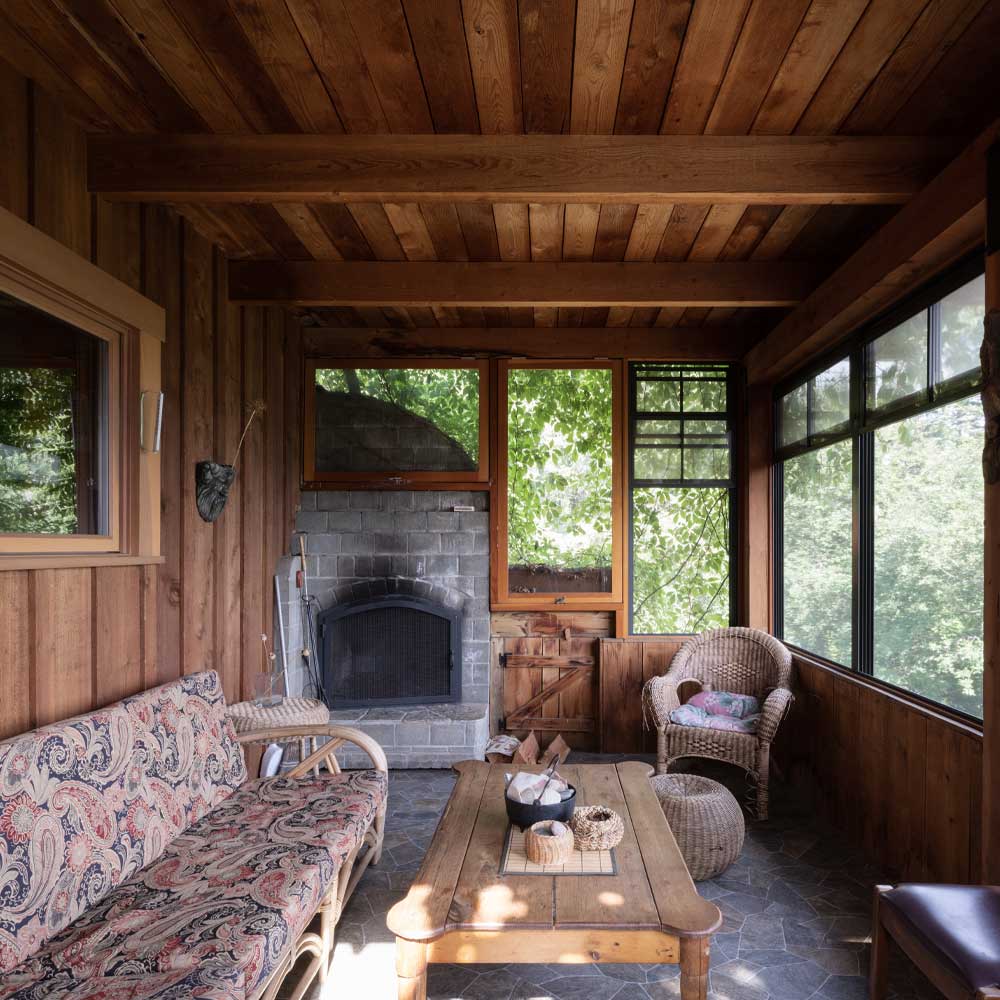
(776, 706)
(336, 736)
(659, 699)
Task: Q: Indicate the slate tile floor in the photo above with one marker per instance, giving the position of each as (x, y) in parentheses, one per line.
(796, 919)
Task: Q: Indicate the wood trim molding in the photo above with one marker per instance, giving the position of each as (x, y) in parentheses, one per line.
(703, 343)
(664, 169)
(495, 283)
(941, 224)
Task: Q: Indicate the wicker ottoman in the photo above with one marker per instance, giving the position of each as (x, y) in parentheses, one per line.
(706, 821)
(249, 718)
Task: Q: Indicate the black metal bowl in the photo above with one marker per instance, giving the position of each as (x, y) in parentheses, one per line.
(524, 814)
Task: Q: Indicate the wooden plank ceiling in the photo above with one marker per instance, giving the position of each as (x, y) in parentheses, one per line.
(719, 67)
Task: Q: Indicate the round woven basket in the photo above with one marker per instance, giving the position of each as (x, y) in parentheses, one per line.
(543, 847)
(597, 828)
(706, 821)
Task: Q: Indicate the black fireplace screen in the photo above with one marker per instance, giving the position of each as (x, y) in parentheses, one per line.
(390, 651)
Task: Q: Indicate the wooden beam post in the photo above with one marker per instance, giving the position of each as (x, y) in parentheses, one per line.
(991, 575)
(494, 283)
(647, 169)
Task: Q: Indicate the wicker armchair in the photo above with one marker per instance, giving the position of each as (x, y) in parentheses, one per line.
(740, 660)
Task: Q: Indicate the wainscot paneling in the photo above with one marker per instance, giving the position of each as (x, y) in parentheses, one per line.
(625, 666)
(899, 780)
(71, 639)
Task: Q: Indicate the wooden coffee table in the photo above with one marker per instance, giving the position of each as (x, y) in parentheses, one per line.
(459, 909)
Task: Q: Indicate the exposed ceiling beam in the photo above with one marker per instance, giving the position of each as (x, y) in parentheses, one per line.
(677, 343)
(942, 223)
(362, 283)
(761, 169)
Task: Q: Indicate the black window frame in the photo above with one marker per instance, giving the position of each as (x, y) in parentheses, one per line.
(860, 429)
(634, 415)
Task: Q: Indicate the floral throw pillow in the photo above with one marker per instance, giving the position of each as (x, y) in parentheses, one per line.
(736, 706)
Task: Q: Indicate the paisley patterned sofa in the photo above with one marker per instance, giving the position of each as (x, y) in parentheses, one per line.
(137, 861)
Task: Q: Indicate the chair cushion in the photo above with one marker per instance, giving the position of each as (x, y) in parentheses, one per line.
(86, 803)
(735, 706)
(699, 718)
(219, 907)
(961, 923)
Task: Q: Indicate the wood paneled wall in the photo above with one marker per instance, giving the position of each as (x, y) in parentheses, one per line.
(625, 666)
(898, 780)
(71, 639)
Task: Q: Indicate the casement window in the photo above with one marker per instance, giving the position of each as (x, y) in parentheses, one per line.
(403, 424)
(557, 516)
(682, 495)
(879, 533)
(80, 408)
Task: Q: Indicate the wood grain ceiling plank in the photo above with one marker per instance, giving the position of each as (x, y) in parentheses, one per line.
(384, 38)
(709, 41)
(228, 227)
(875, 37)
(343, 230)
(307, 229)
(273, 34)
(72, 51)
(377, 230)
(328, 36)
(225, 47)
(654, 46)
(681, 232)
(159, 31)
(775, 243)
(513, 230)
(580, 231)
(937, 29)
(442, 223)
(546, 228)
(546, 44)
(755, 223)
(824, 30)
(438, 35)
(602, 31)
(411, 230)
(276, 231)
(715, 233)
(538, 283)
(613, 231)
(32, 63)
(950, 99)
(768, 31)
(491, 31)
(619, 316)
(647, 231)
(97, 22)
(479, 230)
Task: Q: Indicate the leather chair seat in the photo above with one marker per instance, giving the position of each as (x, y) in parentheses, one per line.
(961, 923)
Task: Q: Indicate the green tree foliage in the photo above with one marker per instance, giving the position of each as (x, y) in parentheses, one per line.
(680, 559)
(447, 397)
(559, 467)
(37, 457)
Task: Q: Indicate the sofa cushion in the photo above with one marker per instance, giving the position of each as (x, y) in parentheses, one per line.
(223, 901)
(88, 802)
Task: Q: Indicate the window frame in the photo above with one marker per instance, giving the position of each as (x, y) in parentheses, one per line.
(501, 598)
(860, 430)
(731, 486)
(42, 273)
(476, 479)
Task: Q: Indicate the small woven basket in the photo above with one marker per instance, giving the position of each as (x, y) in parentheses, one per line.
(543, 847)
(597, 828)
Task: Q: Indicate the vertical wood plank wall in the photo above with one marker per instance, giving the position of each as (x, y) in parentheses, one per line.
(900, 782)
(71, 639)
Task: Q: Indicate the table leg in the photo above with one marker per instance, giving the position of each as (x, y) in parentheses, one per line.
(411, 969)
(694, 968)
